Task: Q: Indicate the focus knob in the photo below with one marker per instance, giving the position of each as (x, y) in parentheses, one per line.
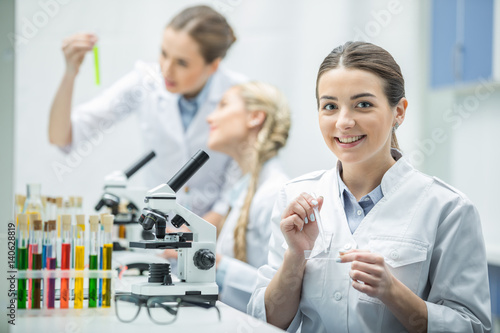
(204, 259)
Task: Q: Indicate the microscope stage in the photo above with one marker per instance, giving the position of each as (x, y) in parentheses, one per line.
(160, 245)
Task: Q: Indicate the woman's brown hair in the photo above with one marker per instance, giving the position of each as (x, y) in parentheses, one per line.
(371, 58)
(208, 28)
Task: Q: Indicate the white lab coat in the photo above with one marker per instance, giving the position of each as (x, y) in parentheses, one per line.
(240, 277)
(143, 91)
(430, 235)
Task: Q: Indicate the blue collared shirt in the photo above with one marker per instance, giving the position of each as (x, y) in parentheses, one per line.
(355, 211)
(189, 107)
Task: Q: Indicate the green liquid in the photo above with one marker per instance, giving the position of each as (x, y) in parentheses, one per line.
(93, 282)
(22, 287)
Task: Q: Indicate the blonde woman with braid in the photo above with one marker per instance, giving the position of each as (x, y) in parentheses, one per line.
(250, 125)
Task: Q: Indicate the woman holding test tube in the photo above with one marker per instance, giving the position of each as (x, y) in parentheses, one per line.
(176, 95)
(405, 250)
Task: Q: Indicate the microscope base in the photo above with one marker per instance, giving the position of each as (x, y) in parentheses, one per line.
(204, 292)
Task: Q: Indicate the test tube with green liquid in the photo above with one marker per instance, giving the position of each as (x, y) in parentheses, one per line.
(22, 258)
(96, 65)
(36, 243)
(93, 261)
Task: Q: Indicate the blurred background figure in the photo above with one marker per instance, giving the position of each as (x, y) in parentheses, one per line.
(172, 99)
(250, 125)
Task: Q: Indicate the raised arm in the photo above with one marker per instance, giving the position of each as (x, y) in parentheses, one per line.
(282, 296)
(74, 49)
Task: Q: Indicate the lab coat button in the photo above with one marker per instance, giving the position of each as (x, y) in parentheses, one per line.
(337, 296)
(347, 246)
(394, 255)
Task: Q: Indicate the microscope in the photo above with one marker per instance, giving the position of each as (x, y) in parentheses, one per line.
(196, 249)
(122, 199)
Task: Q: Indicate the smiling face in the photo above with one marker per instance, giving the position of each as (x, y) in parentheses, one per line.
(355, 117)
(182, 65)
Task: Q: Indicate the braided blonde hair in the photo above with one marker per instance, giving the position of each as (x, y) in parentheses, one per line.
(259, 96)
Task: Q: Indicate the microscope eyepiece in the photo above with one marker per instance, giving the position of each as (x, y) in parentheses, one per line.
(188, 170)
(139, 164)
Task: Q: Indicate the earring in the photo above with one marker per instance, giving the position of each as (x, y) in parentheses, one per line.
(254, 123)
(396, 126)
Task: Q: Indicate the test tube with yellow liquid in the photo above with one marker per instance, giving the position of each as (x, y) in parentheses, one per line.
(79, 259)
(107, 251)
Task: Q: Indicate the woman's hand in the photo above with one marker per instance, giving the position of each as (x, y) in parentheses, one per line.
(172, 253)
(169, 254)
(298, 223)
(74, 49)
(370, 274)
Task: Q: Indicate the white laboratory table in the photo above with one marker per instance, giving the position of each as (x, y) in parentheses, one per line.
(190, 319)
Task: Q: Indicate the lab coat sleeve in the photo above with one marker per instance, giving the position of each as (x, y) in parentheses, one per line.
(277, 246)
(93, 120)
(459, 298)
(238, 279)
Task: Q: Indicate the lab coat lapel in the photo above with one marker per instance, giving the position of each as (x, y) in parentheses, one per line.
(332, 215)
(172, 119)
(392, 180)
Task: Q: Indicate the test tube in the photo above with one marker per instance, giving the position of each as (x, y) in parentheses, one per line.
(36, 288)
(320, 224)
(79, 259)
(100, 235)
(93, 255)
(51, 252)
(107, 250)
(96, 65)
(59, 212)
(22, 258)
(45, 242)
(31, 220)
(65, 258)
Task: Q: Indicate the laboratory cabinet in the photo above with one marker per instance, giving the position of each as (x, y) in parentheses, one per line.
(462, 35)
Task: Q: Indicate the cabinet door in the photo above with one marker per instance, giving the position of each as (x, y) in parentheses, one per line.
(478, 40)
(462, 41)
(443, 45)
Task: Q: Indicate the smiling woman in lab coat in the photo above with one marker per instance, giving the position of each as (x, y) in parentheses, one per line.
(251, 125)
(172, 99)
(406, 251)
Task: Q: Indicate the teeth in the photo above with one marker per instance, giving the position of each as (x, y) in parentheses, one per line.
(349, 140)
